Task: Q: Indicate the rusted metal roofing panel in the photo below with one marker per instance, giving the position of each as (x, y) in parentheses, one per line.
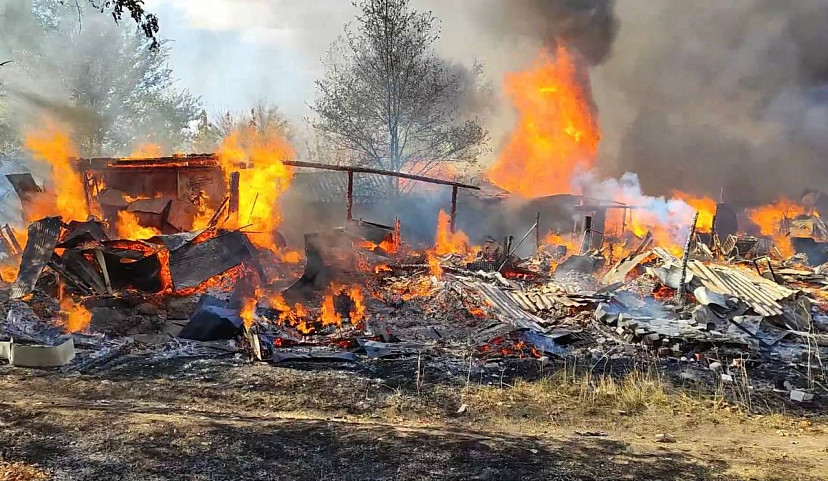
(43, 236)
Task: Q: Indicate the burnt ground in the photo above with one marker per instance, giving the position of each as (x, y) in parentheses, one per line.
(216, 419)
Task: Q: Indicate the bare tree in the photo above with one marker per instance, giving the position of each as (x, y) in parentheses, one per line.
(387, 97)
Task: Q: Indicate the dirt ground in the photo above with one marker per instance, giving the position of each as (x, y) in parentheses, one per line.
(226, 419)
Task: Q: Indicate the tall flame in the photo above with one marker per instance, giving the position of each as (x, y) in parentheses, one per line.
(556, 133)
(263, 178)
(446, 241)
(66, 196)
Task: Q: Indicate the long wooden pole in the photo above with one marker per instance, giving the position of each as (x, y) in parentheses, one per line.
(453, 224)
(684, 259)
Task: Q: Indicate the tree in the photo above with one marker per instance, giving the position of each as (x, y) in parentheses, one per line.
(105, 80)
(389, 99)
(148, 22)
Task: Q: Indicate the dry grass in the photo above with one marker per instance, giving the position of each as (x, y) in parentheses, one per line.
(570, 394)
(20, 472)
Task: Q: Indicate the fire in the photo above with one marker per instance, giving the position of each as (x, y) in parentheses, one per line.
(664, 293)
(357, 314)
(382, 268)
(328, 316)
(258, 156)
(476, 312)
(389, 245)
(296, 317)
(128, 227)
(769, 217)
(248, 310)
(434, 267)
(291, 257)
(572, 245)
(446, 241)
(770, 220)
(556, 133)
(74, 317)
(146, 150)
(66, 196)
(8, 272)
(704, 205)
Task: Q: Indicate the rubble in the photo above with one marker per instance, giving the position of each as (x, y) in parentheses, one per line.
(365, 295)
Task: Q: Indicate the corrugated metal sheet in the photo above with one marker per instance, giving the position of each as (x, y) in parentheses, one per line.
(43, 236)
(507, 308)
(759, 293)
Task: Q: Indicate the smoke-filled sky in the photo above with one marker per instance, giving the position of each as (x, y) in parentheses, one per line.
(700, 96)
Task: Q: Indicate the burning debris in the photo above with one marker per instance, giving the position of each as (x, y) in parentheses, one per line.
(185, 255)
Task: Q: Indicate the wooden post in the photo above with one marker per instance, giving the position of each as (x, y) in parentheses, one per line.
(537, 232)
(86, 193)
(681, 287)
(453, 208)
(586, 240)
(349, 200)
(233, 202)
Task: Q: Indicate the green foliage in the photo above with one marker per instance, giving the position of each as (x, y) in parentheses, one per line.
(108, 82)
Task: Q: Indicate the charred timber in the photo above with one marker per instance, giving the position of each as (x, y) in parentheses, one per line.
(368, 170)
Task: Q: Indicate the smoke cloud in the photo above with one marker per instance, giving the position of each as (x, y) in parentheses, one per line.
(712, 97)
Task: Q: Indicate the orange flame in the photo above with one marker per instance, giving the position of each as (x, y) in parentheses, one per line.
(8, 272)
(556, 132)
(296, 317)
(434, 267)
(66, 196)
(572, 245)
(770, 219)
(258, 157)
(74, 317)
(146, 150)
(291, 257)
(705, 206)
(327, 312)
(128, 227)
(382, 268)
(248, 310)
(357, 313)
(446, 241)
(664, 293)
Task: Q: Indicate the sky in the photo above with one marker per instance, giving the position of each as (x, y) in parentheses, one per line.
(235, 53)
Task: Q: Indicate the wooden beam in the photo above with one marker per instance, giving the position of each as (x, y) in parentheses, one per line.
(368, 170)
